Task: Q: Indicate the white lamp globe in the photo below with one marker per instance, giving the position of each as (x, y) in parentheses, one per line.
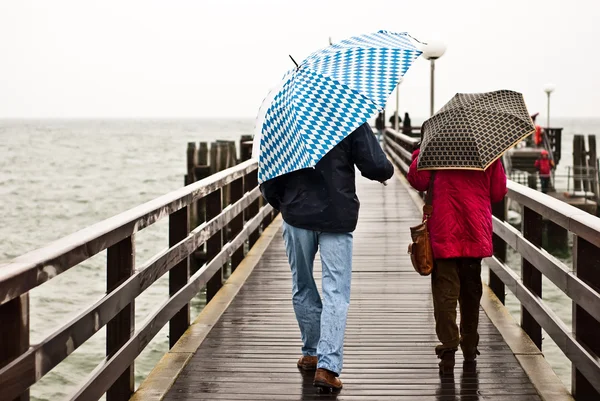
(549, 88)
(433, 49)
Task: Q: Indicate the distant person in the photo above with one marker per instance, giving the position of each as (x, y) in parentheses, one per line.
(544, 166)
(460, 230)
(380, 124)
(406, 125)
(538, 137)
(393, 120)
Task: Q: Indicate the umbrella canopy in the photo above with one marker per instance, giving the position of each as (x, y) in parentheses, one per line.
(330, 94)
(473, 130)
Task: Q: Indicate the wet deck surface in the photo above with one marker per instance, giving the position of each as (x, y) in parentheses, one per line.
(251, 354)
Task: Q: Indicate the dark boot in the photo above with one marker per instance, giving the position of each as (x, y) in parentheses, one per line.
(307, 363)
(327, 380)
(447, 362)
(470, 354)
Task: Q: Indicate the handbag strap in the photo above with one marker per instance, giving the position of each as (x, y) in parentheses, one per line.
(428, 207)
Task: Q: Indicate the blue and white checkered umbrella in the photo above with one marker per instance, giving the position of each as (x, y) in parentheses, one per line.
(330, 94)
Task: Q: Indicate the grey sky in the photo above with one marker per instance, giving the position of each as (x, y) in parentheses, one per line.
(199, 58)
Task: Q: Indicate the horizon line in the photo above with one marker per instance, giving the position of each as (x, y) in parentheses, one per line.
(5, 118)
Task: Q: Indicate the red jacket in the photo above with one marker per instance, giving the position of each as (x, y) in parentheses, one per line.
(544, 166)
(461, 223)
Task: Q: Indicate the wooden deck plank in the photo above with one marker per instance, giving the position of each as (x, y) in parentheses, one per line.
(251, 353)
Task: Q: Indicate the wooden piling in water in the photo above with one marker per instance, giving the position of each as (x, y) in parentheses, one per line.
(190, 177)
(592, 166)
(203, 154)
(220, 160)
(245, 147)
(578, 162)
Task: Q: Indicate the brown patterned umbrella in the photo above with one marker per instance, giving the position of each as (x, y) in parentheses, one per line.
(473, 130)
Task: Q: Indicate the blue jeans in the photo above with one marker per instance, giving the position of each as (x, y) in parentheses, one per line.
(322, 323)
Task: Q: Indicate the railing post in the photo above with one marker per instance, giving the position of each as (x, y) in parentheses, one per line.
(532, 277)
(14, 332)
(586, 261)
(179, 274)
(199, 256)
(251, 182)
(214, 243)
(496, 285)
(237, 223)
(120, 266)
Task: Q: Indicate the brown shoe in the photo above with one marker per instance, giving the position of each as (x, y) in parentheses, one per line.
(327, 380)
(447, 362)
(307, 363)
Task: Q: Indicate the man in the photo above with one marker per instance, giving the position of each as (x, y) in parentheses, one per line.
(320, 211)
(393, 120)
(380, 124)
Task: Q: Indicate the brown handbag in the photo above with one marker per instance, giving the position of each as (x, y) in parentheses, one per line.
(420, 251)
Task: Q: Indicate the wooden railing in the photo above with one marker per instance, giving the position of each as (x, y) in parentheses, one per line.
(581, 343)
(239, 222)
(581, 284)
(399, 147)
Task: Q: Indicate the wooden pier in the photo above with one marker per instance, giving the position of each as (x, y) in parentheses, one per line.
(245, 343)
(251, 352)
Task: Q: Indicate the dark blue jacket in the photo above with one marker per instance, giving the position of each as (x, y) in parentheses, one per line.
(324, 198)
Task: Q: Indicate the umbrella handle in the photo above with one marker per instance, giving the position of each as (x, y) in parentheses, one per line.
(297, 66)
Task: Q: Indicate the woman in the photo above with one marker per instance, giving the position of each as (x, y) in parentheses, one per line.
(460, 230)
(406, 125)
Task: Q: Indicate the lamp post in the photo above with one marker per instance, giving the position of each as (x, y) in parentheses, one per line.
(396, 122)
(432, 51)
(548, 88)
